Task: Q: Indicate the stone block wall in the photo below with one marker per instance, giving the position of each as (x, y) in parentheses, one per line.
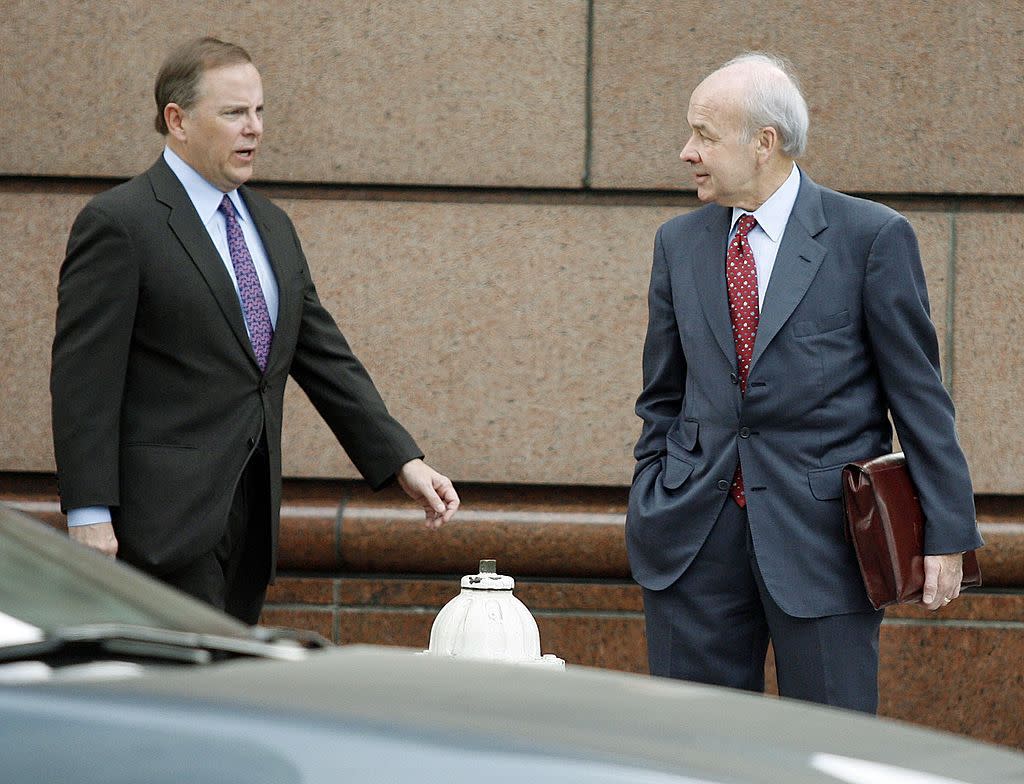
(477, 186)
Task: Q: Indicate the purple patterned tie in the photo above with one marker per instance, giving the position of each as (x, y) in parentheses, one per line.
(254, 306)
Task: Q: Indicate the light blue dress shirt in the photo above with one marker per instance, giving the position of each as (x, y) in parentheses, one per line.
(765, 238)
(206, 199)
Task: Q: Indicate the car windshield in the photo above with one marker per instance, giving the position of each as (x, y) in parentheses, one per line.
(49, 582)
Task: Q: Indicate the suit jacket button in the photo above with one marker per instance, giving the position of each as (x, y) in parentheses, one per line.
(733, 378)
(723, 485)
(264, 386)
(744, 432)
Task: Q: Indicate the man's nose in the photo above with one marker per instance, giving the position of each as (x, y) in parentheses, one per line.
(689, 155)
(255, 124)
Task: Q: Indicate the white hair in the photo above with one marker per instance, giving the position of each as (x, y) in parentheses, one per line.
(774, 102)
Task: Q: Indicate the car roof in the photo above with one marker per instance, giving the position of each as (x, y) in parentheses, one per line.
(630, 719)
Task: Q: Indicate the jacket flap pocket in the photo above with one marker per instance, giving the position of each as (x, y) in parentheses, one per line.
(826, 483)
(676, 472)
(684, 433)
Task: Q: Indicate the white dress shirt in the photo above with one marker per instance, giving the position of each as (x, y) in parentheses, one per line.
(206, 199)
(765, 238)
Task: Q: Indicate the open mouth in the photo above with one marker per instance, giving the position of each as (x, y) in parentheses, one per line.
(246, 154)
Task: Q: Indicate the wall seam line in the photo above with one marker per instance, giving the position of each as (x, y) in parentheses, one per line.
(948, 374)
(588, 99)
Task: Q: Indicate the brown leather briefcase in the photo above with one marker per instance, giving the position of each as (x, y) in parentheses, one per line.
(886, 525)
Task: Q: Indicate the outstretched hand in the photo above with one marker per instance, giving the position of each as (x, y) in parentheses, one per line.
(433, 491)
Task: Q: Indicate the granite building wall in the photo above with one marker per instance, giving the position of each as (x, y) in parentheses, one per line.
(477, 186)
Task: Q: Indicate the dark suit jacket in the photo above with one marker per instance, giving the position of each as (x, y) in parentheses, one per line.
(844, 338)
(157, 398)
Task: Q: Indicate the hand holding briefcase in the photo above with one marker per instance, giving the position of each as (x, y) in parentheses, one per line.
(886, 525)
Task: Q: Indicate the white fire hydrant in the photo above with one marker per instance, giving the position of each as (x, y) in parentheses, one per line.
(485, 621)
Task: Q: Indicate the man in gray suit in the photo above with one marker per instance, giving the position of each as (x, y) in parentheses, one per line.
(786, 322)
(185, 302)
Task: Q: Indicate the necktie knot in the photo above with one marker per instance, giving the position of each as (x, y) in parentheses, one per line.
(743, 225)
(227, 207)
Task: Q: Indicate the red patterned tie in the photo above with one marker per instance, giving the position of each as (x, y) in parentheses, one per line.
(741, 278)
(254, 305)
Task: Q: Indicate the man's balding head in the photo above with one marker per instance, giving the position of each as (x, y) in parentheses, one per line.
(749, 121)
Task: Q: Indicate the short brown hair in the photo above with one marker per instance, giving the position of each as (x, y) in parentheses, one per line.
(178, 80)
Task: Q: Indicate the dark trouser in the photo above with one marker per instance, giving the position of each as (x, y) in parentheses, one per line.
(234, 575)
(713, 626)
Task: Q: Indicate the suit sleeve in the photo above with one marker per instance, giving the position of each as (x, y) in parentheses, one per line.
(97, 296)
(343, 393)
(906, 350)
(664, 364)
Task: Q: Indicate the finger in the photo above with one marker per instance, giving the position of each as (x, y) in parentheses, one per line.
(434, 520)
(431, 512)
(931, 584)
(451, 499)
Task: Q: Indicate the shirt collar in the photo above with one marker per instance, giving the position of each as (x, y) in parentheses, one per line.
(773, 215)
(204, 196)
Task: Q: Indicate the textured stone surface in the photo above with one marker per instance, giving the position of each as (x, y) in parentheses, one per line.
(35, 230)
(469, 316)
(506, 337)
(302, 590)
(307, 542)
(965, 678)
(972, 605)
(1002, 558)
(473, 92)
(903, 97)
(541, 316)
(520, 548)
(590, 640)
(405, 628)
(989, 373)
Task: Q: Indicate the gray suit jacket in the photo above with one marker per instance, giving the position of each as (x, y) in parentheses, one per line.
(844, 338)
(157, 397)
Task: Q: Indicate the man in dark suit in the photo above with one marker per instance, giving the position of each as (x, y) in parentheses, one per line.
(786, 322)
(184, 303)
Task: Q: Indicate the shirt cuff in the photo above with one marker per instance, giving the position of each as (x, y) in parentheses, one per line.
(88, 515)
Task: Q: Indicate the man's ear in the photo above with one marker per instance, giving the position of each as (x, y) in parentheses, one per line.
(174, 116)
(768, 142)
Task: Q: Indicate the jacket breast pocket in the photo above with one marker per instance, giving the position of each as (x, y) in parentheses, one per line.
(803, 329)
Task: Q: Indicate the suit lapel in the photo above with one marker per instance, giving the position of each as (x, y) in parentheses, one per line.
(797, 262)
(184, 222)
(709, 262)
